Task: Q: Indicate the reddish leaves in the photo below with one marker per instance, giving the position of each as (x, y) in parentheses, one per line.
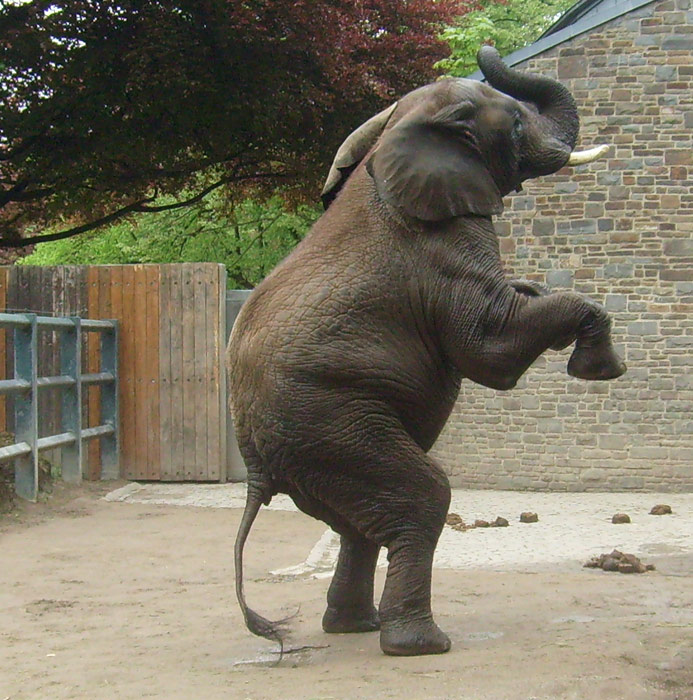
(104, 104)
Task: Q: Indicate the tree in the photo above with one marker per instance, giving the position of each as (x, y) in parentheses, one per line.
(105, 106)
(508, 25)
(249, 239)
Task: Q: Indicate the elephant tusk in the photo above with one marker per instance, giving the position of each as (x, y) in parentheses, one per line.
(582, 157)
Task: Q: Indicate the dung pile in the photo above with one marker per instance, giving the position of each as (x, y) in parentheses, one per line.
(455, 521)
(619, 561)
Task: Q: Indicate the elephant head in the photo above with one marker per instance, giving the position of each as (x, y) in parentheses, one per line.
(458, 146)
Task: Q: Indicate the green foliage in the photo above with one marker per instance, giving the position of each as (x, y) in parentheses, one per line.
(508, 26)
(250, 239)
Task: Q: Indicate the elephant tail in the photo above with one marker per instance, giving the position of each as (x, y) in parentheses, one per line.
(275, 631)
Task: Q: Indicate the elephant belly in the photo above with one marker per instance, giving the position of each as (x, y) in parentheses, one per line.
(291, 406)
(303, 373)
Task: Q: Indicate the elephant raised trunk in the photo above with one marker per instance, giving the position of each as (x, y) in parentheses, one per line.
(554, 103)
(552, 99)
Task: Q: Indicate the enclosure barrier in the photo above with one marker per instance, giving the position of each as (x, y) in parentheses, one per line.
(25, 387)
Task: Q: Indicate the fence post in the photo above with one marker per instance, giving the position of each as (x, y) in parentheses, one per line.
(71, 365)
(26, 408)
(110, 448)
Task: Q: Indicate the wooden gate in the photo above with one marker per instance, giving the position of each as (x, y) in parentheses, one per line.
(172, 383)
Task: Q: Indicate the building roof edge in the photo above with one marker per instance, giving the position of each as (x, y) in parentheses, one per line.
(548, 40)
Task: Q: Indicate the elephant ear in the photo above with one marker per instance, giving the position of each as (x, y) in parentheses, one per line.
(427, 169)
(352, 152)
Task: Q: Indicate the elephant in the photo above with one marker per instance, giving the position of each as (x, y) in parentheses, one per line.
(346, 360)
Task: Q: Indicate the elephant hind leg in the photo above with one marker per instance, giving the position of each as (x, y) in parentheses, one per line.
(350, 596)
(393, 495)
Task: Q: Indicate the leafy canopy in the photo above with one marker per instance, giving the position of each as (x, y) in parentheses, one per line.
(105, 106)
(249, 239)
(507, 25)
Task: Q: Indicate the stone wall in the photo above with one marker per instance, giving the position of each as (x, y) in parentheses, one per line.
(621, 231)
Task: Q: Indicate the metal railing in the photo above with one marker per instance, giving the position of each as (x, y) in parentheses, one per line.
(26, 385)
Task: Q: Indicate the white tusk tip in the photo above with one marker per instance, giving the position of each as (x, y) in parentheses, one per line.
(582, 157)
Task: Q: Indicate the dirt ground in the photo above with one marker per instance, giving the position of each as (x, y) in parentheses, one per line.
(120, 600)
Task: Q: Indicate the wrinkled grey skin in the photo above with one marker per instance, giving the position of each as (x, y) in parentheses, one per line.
(346, 361)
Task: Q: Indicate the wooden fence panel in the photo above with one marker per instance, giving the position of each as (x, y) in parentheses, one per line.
(215, 399)
(114, 281)
(93, 359)
(141, 427)
(172, 390)
(172, 393)
(4, 278)
(199, 398)
(153, 378)
(165, 385)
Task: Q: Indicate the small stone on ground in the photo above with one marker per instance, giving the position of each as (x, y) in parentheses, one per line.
(661, 510)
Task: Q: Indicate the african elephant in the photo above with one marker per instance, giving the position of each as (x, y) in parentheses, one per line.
(346, 361)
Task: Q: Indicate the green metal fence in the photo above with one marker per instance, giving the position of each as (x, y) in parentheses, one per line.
(26, 385)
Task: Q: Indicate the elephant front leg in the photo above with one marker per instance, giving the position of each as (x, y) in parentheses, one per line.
(350, 596)
(532, 324)
(594, 356)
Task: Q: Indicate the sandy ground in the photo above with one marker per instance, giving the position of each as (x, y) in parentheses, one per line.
(134, 598)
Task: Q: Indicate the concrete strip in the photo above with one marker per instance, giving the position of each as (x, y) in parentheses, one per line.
(572, 527)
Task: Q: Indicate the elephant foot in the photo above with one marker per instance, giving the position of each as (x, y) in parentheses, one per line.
(341, 620)
(413, 638)
(595, 363)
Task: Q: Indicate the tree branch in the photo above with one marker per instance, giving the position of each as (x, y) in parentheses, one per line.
(18, 193)
(67, 233)
(187, 202)
(257, 237)
(141, 206)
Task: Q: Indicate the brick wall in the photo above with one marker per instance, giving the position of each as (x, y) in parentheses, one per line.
(621, 231)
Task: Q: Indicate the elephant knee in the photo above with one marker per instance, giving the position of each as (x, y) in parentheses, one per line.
(437, 499)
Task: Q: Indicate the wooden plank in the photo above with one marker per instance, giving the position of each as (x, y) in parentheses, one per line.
(176, 469)
(165, 385)
(151, 349)
(48, 350)
(93, 398)
(57, 285)
(188, 371)
(4, 279)
(141, 395)
(12, 303)
(213, 373)
(22, 300)
(105, 311)
(73, 301)
(116, 311)
(128, 394)
(23, 290)
(200, 286)
(44, 347)
(54, 397)
(222, 397)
